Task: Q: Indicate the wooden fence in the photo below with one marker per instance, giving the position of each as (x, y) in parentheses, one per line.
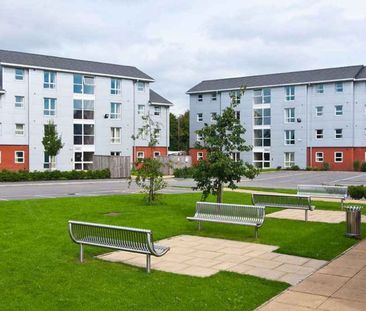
(120, 166)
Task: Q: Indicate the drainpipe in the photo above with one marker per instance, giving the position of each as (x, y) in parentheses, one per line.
(308, 127)
(28, 116)
(134, 120)
(353, 120)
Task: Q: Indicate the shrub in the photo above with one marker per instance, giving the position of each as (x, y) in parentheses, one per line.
(185, 172)
(363, 167)
(356, 165)
(356, 192)
(294, 168)
(325, 166)
(278, 167)
(9, 176)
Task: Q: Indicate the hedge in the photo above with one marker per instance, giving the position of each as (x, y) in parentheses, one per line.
(185, 172)
(6, 175)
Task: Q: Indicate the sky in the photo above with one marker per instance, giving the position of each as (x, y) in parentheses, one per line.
(180, 43)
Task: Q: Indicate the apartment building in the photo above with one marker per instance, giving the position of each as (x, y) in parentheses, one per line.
(304, 118)
(96, 107)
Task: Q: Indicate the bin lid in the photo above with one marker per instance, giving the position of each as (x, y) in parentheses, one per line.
(353, 208)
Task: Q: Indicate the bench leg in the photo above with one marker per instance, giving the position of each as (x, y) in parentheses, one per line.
(81, 253)
(306, 215)
(342, 201)
(148, 263)
(199, 226)
(256, 232)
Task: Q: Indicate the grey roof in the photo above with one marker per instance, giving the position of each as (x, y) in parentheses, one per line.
(156, 98)
(296, 77)
(362, 74)
(69, 64)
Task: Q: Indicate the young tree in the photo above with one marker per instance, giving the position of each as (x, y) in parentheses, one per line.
(183, 131)
(148, 171)
(52, 143)
(173, 132)
(221, 139)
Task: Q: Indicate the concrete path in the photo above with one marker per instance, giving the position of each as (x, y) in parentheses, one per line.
(316, 215)
(202, 257)
(339, 286)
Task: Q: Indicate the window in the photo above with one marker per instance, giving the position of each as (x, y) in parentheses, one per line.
(338, 110)
(200, 97)
(262, 159)
(141, 109)
(49, 79)
(115, 135)
(262, 116)
(319, 88)
(262, 138)
(262, 96)
(319, 156)
(199, 156)
(319, 134)
(46, 160)
(199, 117)
(115, 86)
(319, 111)
(115, 110)
(115, 153)
(83, 160)
(140, 86)
(237, 115)
(338, 133)
(290, 93)
(158, 133)
(19, 157)
(199, 138)
(83, 109)
(83, 84)
(213, 96)
(235, 156)
(235, 96)
(157, 110)
(339, 87)
(290, 137)
(19, 74)
(338, 157)
(289, 115)
(289, 160)
(19, 101)
(156, 154)
(140, 155)
(213, 116)
(49, 106)
(19, 129)
(83, 134)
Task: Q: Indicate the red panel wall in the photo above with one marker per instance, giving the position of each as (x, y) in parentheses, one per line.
(193, 153)
(8, 157)
(149, 151)
(350, 154)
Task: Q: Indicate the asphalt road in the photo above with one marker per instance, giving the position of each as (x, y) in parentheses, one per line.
(280, 179)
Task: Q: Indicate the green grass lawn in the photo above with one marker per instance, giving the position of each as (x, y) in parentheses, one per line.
(39, 268)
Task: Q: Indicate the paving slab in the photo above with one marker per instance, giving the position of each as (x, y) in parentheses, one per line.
(338, 286)
(202, 257)
(333, 217)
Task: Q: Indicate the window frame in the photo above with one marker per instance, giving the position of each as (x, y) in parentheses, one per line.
(22, 133)
(213, 96)
(156, 154)
(317, 111)
(157, 111)
(199, 156)
(259, 96)
(51, 83)
(319, 88)
(287, 163)
(200, 97)
(116, 139)
(338, 112)
(199, 117)
(115, 86)
(17, 102)
(19, 76)
(288, 117)
(317, 135)
(138, 155)
(337, 88)
(139, 111)
(117, 115)
(51, 111)
(140, 86)
(337, 134)
(16, 158)
(338, 159)
(291, 139)
(317, 159)
(265, 141)
(213, 115)
(290, 93)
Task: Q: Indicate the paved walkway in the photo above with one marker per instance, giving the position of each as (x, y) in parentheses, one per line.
(316, 215)
(202, 257)
(339, 286)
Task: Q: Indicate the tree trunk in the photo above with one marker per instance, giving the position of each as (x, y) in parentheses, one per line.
(220, 194)
(151, 190)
